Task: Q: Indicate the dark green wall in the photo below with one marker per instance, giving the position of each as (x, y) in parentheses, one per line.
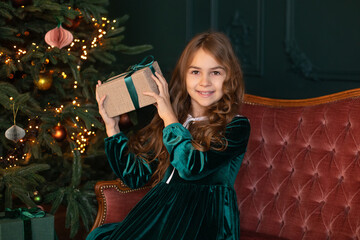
(288, 48)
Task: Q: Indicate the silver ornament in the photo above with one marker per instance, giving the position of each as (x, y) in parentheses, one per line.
(15, 133)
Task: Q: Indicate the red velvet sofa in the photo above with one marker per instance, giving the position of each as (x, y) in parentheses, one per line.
(300, 178)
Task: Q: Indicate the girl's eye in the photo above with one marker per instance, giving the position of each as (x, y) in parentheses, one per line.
(195, 72)
(216, 73)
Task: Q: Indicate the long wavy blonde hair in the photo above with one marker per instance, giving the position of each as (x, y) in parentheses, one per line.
(147, 143)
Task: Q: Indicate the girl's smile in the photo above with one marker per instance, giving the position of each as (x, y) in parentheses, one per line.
(205, 94)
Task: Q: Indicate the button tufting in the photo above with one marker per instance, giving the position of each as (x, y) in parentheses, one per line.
(347, 209)
(282, 223)
(341, 179)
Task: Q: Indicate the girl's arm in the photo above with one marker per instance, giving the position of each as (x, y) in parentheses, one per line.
(133, 171)
(193, 164)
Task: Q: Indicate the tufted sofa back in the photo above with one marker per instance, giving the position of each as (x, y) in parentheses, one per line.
(300, 178)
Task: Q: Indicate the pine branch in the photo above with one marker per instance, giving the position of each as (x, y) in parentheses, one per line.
(76, 167)
(121, 20)
(56, 198)
(72, 215)
(21, 181)
(51, 143)
(7, 34)
(102, 56)
(91, 8)
(25, 102)
(115, 32)
(34, 150)
(87, 210)
(132, 50)
(6, 11)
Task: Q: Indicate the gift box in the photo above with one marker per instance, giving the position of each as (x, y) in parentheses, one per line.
(124, 92)
(37, 228)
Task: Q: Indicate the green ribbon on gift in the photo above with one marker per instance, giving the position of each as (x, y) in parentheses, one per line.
(25, 214)
(129, 82)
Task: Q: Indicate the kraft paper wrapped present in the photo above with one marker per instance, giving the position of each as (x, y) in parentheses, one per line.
(26, 224)
(124, 92)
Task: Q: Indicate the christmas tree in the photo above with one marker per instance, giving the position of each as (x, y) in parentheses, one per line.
(52, 53)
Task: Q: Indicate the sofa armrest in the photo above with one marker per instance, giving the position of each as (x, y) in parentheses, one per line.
(115, 200)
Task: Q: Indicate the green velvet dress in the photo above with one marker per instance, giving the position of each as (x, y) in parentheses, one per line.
(196, 200)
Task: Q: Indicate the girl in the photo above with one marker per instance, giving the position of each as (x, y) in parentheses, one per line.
(191, 150)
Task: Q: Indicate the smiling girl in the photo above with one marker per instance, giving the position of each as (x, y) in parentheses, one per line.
(191, 151)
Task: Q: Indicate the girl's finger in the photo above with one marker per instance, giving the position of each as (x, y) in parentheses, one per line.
(161, 78)
(157, 81)
(159, 85)
(164, 84)
(96, 93)
(101, 102)
(151, 94)
(97, 96)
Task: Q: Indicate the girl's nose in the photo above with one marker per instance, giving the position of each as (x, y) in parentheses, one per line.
(205, 81)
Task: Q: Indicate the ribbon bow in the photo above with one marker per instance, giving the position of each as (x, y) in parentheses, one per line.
(140, 65)
(128, 80)
(24, 213)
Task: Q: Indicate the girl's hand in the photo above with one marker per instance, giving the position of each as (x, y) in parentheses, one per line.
(111, 123)
(163, 103)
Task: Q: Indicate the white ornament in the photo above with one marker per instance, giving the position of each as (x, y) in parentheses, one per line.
(15, 133)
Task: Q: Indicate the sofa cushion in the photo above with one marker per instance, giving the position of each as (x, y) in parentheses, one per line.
(251, 235)
(300, 176)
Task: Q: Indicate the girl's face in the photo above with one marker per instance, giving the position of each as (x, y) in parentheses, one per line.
(204, 81)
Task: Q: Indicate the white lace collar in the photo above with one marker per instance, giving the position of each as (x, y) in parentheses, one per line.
(191, 118)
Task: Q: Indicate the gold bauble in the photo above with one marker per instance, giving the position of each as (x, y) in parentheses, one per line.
(44, 82)
(59, 133)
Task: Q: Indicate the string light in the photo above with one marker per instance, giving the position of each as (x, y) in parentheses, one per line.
(96, 40)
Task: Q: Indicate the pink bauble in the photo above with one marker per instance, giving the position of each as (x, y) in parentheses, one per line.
(58, 37)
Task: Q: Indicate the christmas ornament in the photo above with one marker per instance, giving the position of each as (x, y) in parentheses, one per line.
(125, 121)
(37, 197)
(19, 3)
(58, 37)
(15, 133)
(59, 133)
(44, 81)
(73, 23)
